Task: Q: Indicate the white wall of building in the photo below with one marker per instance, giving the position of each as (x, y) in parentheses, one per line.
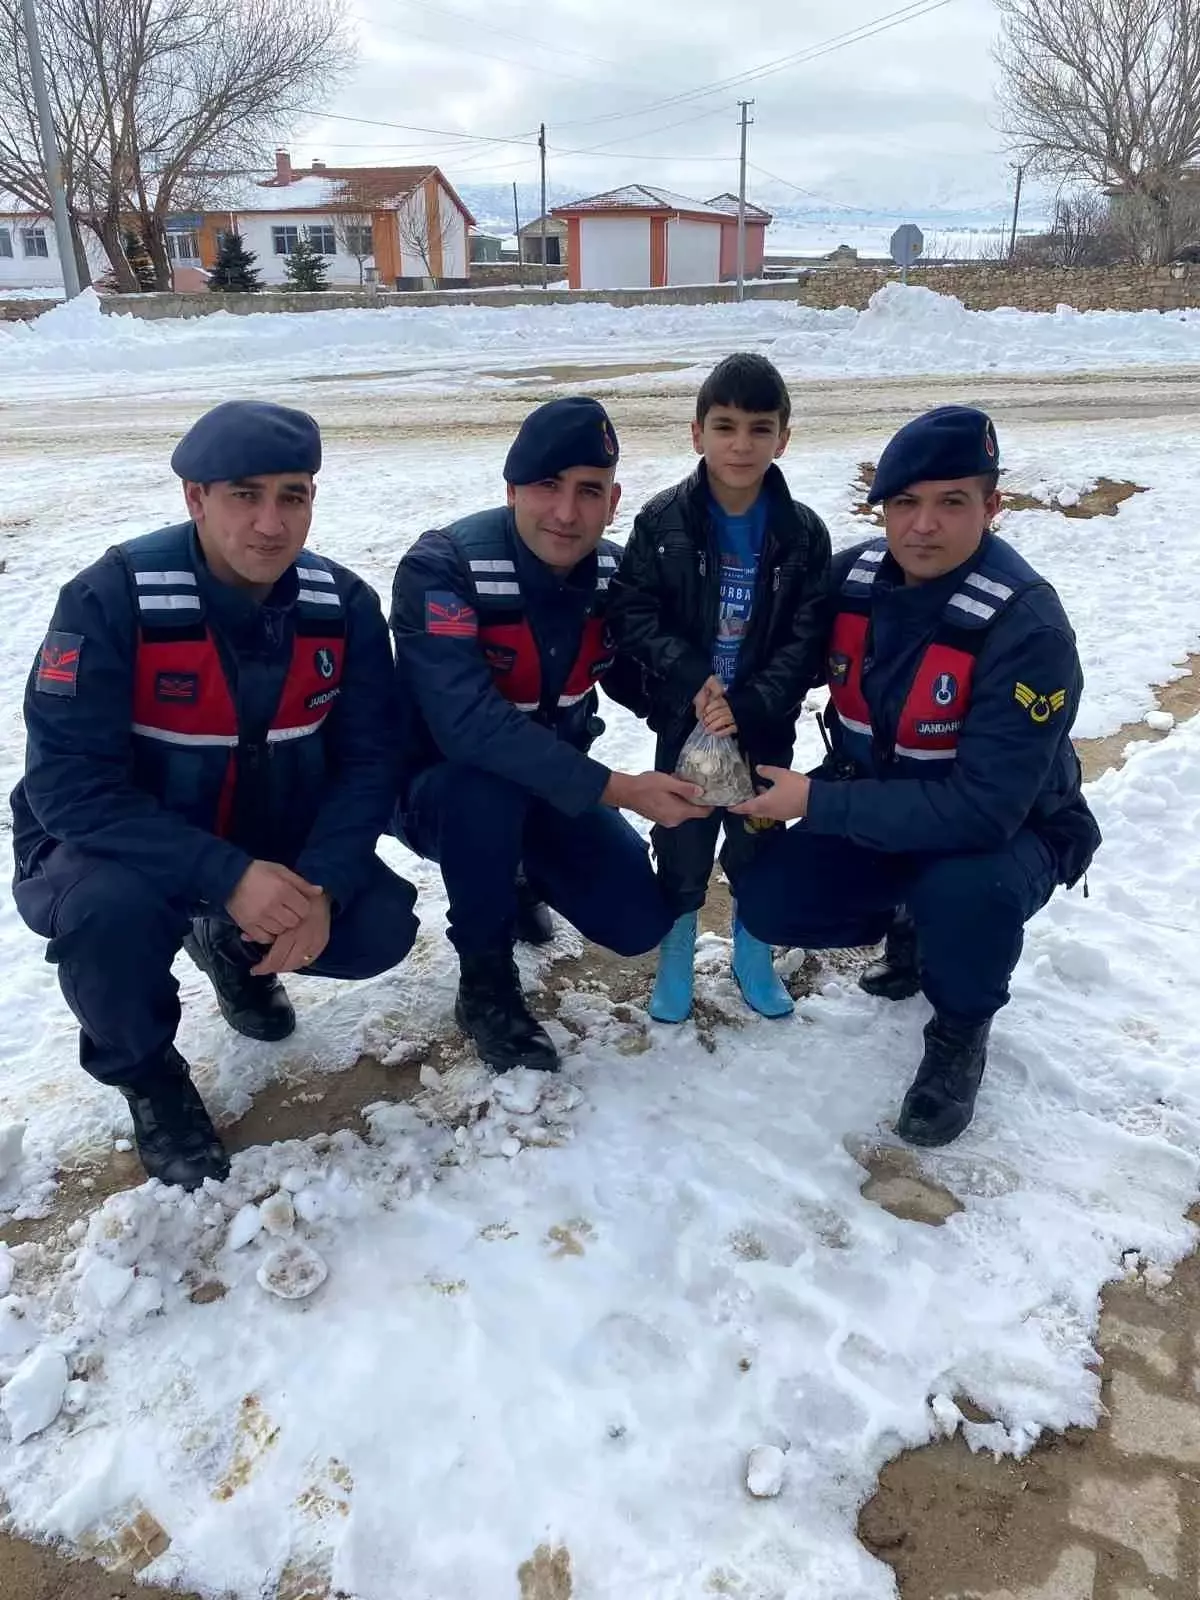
(256, 231)
(21, 271)
(454, 238)
(693, 251)
(614, 252)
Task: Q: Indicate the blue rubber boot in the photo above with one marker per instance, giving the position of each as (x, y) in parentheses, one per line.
(676, 976)
(761, 986)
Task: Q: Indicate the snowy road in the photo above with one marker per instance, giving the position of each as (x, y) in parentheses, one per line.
(570, 1324)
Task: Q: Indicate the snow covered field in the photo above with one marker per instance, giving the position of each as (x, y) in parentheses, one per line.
(563, 1314)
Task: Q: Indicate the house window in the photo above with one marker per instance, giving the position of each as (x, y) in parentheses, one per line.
(284, 240)
(358, 239)
(322, 238)
(183, 246)
(6, 248)
(34, 243)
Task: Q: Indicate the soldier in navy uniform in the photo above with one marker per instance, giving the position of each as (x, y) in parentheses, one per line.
(211, 759)
(951, 789)
(501, 643)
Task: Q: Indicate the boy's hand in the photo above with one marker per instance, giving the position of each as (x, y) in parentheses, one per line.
(785, 801)
(658, 796)
(712, 708)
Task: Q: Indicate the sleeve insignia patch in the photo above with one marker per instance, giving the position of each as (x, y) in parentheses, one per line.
(58, 664)
(1041, 707)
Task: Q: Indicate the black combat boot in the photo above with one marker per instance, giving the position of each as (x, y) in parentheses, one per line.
(174, 1133)
(256, 1007)
(533, 924)
(895, 976)
(491, 1009)
(941, 1099)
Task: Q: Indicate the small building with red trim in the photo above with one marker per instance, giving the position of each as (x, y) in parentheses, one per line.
(640, 237)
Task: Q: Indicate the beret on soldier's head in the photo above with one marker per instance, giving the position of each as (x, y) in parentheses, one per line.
(560, 435)
(951, 442)
(247, 439)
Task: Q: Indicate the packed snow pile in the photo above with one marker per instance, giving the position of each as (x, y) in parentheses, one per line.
(904, 330)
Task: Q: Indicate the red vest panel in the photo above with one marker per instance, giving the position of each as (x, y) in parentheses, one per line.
(181, 697)
(937, 702)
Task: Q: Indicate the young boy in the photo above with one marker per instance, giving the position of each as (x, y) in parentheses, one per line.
(718, 601)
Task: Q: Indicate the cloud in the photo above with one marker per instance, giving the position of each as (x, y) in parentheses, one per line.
(904, 119)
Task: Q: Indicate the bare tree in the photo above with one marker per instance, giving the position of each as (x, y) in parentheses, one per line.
(151, 95)
(422, 234)
(1108, 92)
(353, 224)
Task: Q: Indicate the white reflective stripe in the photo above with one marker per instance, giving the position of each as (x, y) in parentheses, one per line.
(607, 561)
(168, 602)
(498, 588)
(573, 699)
(492, 566)
(603, 583)
(316, 598)
(926, 755)
(1000, 590)
(975, 607)
(526, 705)
(856, 727)
(861, 575)
(314, 575)
(165, 579)
(278, 735)
(870, 555)
(226, 740)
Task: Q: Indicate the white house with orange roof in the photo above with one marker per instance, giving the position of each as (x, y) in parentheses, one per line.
(640, 237)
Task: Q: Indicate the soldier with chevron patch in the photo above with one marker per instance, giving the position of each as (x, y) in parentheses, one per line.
(949, 808)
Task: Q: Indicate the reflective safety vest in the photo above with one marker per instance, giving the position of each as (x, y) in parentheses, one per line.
(935, 708)
(189, 746)
(505, 636)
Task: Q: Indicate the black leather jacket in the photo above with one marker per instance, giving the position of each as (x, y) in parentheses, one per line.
(663, 608)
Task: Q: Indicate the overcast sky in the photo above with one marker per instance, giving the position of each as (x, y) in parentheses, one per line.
(904, 119)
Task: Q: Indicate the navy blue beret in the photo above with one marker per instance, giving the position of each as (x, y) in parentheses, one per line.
(247, 439)
(562, 434)
(951, 442)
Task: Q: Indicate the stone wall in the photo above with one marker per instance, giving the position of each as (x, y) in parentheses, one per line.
(156, 306)
(23, 310)
(980, 287)
(983, 286)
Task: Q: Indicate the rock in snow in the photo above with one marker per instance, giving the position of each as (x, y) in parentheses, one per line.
(292, 1271)
(33, 1396)
(764, 1471)
(11, 1138)
(278, 1214)
(246, 1225)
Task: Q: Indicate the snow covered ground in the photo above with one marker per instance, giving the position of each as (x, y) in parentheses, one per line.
(564, 1314)
(904, 331)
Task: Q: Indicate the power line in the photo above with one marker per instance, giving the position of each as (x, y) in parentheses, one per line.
(647, 133)
(413, 127)
(839, 41)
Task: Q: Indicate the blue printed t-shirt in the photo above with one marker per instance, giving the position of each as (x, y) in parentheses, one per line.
(739, 544)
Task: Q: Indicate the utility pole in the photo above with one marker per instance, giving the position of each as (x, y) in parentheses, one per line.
(58, 197)
(1012, 237)
(542, 151)
(517, 225)
(744, 105)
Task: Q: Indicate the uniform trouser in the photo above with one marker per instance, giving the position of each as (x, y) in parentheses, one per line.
(970, 910)
(113, 936)
(685, 856)
(594, 869)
